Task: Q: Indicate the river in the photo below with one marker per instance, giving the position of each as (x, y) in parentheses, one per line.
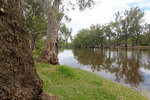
(129, 67)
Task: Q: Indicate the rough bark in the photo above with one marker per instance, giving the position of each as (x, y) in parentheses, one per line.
(34, 41)
(50, 51)
(18, 78)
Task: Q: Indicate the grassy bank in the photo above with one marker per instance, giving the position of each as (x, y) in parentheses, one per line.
(67, 83)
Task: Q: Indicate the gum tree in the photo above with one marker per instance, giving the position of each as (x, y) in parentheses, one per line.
(18, 78)
(136, 17)
(118, 18)
(54, 10)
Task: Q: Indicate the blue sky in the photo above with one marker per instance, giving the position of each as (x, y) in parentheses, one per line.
(104, 13)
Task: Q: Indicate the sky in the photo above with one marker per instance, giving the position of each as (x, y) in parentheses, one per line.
(104, 12)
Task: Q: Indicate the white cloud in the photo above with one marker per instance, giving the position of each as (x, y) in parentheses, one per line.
(147, 72)
(147, 16)
(104, 13)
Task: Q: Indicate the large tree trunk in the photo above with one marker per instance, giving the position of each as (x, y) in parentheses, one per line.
(18, 78)
(50, 51)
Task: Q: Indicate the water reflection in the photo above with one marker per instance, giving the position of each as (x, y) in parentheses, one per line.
(130, 67)
(123, 63)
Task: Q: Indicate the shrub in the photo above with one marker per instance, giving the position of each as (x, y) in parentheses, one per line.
(144, 44)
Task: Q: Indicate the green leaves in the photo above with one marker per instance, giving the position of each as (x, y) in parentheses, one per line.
(89, 37)
(83, 4)
(35, 17)
(64, 33)
(127, 29)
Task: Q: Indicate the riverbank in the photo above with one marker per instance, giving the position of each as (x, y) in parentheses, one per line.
(67, 83)
(118, 47)
(134, 47)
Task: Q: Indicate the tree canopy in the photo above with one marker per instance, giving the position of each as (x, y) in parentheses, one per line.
(128, 28)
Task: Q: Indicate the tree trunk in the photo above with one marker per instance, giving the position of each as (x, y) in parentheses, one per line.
(18, 78)
(137, 39)
(132, 40)
(126, 38)
(117, 41)
(126, 43)
(50, 51)
(109, 42)
(34, 41)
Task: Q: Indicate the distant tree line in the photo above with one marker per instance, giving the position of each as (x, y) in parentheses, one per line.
(127, 29)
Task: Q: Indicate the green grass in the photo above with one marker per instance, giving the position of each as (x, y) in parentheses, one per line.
(67, 83)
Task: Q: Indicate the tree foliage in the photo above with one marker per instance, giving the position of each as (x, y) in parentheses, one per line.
(54, 11)
(64, 33)
(127, 29)
(36, 22)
